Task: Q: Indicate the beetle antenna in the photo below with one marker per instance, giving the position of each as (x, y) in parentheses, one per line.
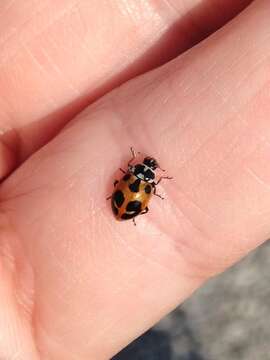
(161, 168)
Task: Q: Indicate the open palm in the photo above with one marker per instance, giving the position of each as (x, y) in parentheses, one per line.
(76, 284)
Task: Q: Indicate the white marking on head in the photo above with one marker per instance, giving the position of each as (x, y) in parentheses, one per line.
(140, 176)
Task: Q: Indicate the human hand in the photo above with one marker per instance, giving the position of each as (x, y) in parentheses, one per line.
(76, 284)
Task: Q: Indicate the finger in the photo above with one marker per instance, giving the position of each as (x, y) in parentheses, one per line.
(56, 57)
(205, 117)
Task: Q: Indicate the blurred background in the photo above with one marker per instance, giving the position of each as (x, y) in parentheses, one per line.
(227, 319)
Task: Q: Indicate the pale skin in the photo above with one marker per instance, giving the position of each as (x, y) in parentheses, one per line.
(76, 284)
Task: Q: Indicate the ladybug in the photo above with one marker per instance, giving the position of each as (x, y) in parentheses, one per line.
(133, 192)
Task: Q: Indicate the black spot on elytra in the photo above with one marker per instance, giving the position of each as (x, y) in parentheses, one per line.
(114, 209)
(134, 206)
(128, 216)
(135, 187)
(118, 198)
(126, 177)
(148, 189)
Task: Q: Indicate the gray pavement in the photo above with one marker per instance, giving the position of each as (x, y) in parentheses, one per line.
(227, 319)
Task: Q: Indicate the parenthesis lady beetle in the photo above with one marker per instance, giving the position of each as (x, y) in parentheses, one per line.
(133, 192)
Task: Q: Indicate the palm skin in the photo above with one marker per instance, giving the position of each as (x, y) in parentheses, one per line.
(76, 284)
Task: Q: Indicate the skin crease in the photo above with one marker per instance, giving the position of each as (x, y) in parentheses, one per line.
(75, 284)
(68, 47)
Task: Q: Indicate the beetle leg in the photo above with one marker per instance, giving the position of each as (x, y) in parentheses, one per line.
(114, 184)
(134, 222)
(155, 193)
(123, 171)
(145, 211)
(163, 177)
